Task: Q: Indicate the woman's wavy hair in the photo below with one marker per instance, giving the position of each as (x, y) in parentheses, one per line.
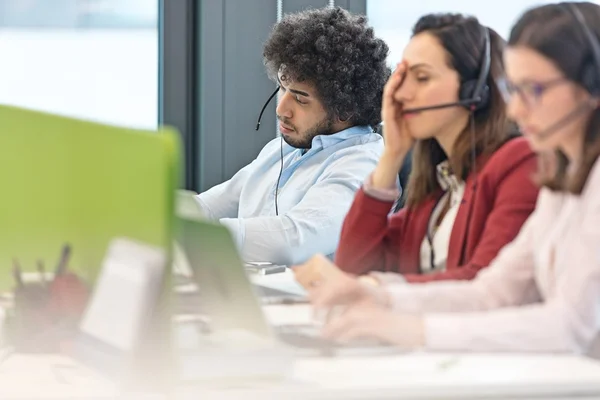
(463, 39)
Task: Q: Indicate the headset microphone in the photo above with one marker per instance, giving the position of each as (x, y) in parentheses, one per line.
(264, 108)
(564, 121)
(280, 148)
(461, 103)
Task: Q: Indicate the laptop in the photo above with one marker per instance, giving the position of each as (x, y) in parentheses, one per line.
(187, 205)
(228, 297)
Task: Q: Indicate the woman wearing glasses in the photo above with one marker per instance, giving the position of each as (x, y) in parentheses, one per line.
(542, 292)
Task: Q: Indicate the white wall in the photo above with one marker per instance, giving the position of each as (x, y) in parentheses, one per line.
(393, 19)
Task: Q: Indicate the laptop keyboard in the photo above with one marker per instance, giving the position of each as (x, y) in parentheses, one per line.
(270, 295)
(308, 337)
(265, 291)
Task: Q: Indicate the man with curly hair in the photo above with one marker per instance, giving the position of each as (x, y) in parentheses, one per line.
(290, 202)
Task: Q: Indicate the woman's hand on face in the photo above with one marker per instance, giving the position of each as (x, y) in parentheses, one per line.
(398, 140)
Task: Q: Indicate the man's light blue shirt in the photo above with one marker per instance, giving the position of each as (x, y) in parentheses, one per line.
(316, 190)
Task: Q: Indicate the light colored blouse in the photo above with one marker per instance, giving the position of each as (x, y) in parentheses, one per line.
(434, 249)
(542, 292)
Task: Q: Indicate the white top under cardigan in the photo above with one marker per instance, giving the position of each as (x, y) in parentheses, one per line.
(434, 249)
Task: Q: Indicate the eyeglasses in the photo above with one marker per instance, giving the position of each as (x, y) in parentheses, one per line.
(530, 92)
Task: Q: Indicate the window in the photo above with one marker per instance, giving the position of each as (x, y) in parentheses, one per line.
(91, 59)
(393, 20)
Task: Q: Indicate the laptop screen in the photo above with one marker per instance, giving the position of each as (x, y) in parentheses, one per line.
(225, 291)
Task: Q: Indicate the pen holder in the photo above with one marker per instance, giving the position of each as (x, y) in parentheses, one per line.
(45, 316)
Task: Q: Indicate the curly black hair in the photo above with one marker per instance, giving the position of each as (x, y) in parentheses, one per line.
(336, 52)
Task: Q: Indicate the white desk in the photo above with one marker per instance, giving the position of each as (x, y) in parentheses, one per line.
(426, 376)
(410, 377)
(24, 376)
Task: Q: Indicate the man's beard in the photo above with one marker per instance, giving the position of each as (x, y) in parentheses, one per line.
(322, 127)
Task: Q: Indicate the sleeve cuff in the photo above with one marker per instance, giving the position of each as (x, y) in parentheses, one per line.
(405, 297)
(443, 332)
(391, 194)
(236, 228)
(387, 278)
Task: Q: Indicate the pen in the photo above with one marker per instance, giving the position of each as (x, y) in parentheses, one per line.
(63, 260)
(42, 272)
(17, 273)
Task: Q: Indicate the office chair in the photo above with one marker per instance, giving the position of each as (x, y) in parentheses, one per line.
(403, 178)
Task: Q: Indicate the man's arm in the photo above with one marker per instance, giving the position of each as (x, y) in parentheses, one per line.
(222, 201)
(314, 224)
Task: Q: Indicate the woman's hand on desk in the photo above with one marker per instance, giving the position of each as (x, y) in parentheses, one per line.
(370, 321)
(328, 286)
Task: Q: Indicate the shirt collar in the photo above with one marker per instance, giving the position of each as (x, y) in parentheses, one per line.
(324, 141)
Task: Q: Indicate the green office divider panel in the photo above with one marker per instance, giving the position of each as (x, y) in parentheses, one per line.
(67, 181)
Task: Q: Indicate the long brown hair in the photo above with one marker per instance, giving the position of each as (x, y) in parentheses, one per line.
(553, 31)
(463, 39)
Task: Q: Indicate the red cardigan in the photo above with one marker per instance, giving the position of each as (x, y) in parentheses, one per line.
(495, 205)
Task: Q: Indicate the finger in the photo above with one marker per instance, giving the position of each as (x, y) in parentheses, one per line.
(319, 258)
(332, 292)
(304, 278)
(319, 316)
(308, 278)
(395, 79)
(336, 326)
(336, 311)
(330, 271)
(301, 273)
(303, 270)
(323, 297)
(392, 85)
(298, 270)
(340, 321)
(354, 332)
(401, 68)
(397, 95)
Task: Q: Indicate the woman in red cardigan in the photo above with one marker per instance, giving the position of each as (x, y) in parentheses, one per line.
(470, 188)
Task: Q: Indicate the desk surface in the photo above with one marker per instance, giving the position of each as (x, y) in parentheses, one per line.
(420, 376)
(416, 375)
(409, 376)
(390, 376)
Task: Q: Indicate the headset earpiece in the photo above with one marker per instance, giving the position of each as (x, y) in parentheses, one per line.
(467, 91)
(590, 79)
(590, 72)
(475, 92)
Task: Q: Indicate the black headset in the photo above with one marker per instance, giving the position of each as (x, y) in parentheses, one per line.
(477, 92)
(590, 72)
(473, 94)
